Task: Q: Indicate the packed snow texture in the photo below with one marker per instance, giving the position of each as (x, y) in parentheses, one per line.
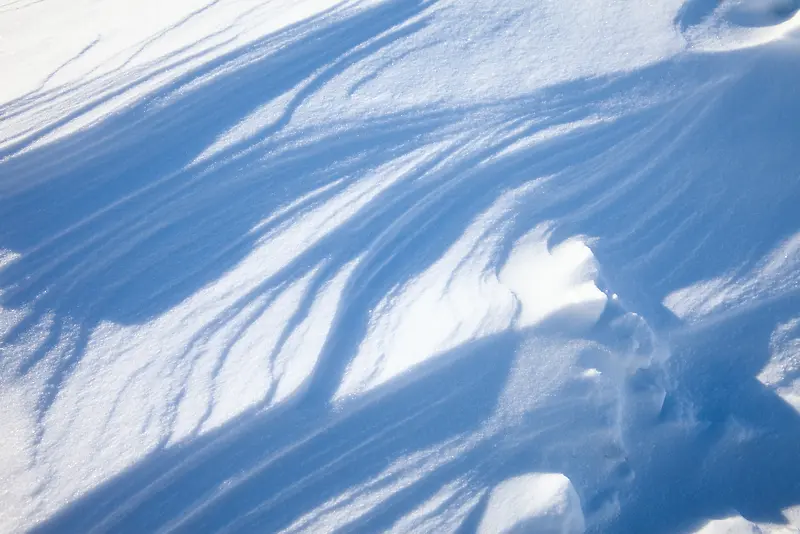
(400, 265)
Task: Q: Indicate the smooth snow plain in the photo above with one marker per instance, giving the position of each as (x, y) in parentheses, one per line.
(400, 265)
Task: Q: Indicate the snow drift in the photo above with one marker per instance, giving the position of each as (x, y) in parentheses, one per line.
(412, 266)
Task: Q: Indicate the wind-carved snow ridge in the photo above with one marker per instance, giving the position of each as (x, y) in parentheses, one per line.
(471, 293)
(456, 300)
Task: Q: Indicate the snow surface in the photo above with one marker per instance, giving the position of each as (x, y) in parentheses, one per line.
(400, 265)
(740, 525)
(538, 502)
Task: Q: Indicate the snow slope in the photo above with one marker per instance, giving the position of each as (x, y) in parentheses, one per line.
(399, 265)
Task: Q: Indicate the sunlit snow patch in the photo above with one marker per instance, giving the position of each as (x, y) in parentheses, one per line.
(547, 282)
(774, 275)
(456, 299)
(540, 502)
(737, 524)
(729, 525)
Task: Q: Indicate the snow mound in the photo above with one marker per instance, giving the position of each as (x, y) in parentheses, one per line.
(544, 503)
(739, 525)
(730, 525)
(553, 282)
(735, 24)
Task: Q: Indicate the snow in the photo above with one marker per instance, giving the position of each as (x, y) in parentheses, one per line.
(731, 525)
(782, 372)
(741, 23)
(553, 282)
(399, 265)
(739, 525)
(538, 502)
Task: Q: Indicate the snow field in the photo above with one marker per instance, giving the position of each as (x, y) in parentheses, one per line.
(411, 266)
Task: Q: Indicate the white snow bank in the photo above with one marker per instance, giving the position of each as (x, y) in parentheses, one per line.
(544, 503)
